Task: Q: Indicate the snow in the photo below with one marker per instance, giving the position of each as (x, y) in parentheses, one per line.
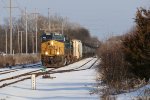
(135, 94)
(18, 72)
(19, 66)
(78, 64)
(75, 85)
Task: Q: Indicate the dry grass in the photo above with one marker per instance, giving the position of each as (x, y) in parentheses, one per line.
(113, 69)
(18, 59)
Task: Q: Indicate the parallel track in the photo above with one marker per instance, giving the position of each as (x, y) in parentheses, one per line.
(38, 72)
(17, 69)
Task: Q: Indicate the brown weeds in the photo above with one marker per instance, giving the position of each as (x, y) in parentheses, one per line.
(10, 60)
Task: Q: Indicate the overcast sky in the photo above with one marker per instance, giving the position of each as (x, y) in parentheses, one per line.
(102, 17)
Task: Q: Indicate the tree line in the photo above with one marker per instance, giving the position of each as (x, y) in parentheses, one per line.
(53, 23)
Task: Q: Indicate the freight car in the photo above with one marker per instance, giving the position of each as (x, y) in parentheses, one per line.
(58, 50)
(88, 50)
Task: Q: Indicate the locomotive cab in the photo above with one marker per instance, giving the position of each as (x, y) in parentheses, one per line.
(52, 36)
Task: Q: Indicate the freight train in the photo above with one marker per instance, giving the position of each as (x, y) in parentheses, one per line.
(57, 50)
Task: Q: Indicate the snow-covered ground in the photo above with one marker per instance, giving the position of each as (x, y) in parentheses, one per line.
(135, 95)
(74, 85)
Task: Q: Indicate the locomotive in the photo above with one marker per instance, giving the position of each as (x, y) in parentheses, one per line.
(57, 50)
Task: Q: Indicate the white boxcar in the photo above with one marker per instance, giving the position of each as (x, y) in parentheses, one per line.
(77, 48)
(80, 49)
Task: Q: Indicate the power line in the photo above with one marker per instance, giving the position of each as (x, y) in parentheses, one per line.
(2, 11)
(19, 6)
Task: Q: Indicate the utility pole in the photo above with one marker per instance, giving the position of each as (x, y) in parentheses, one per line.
(10, 22)
(32, 43)
(62, 28)
(21, 40)
(10, 29)
(0, 21)
(49, 23)
(6, 40)
(26, 31)
(18, 42)
(36, 29)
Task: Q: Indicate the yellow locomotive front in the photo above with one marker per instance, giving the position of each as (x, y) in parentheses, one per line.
(52, 49)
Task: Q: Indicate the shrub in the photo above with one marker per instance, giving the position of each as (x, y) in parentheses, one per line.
(136, 46)
(113, 68)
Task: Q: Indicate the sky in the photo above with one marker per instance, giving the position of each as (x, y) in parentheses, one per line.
(103, 18)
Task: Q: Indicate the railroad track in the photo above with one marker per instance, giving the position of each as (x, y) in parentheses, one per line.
(20, 68)
(27, 75)
(76, 69)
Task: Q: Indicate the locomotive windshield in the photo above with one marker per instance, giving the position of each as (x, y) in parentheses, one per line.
(52, 36)
(58, 37)
(46, 37)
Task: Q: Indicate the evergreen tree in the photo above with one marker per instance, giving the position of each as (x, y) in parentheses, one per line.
(137, 45)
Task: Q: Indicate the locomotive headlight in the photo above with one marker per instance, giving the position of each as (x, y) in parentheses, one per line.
(57, 53)
(46, 53)
(52, 43)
